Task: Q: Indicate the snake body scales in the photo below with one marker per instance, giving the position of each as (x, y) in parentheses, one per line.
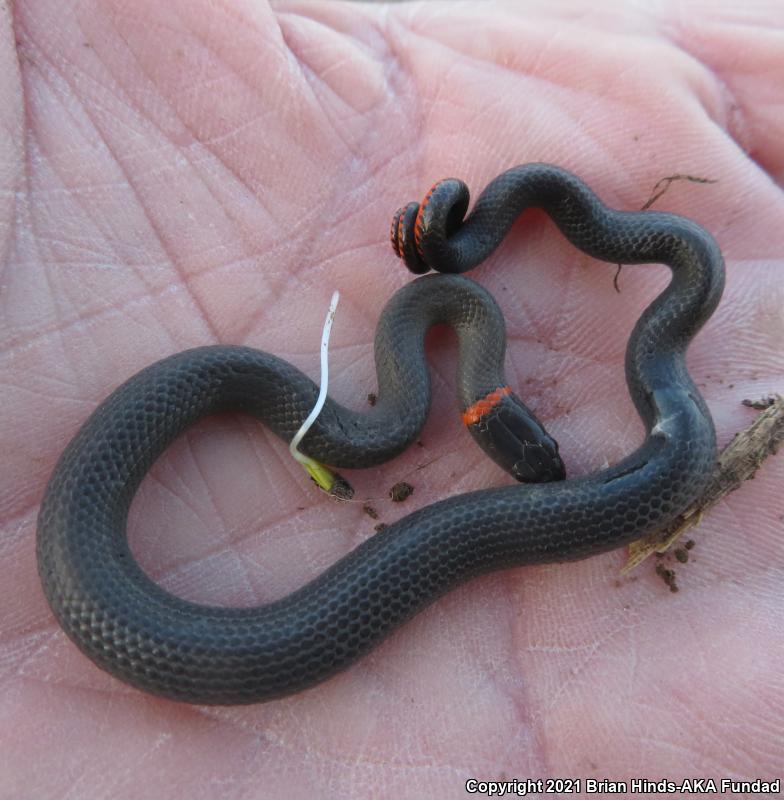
(201, 654)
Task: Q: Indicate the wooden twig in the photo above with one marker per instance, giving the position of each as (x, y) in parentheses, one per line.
(737, 463)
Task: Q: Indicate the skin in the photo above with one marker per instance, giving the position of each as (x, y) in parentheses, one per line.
(177, 174)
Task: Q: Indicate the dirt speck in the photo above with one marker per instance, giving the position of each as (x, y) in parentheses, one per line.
(667, 575)
(761, 404)
(401, 491)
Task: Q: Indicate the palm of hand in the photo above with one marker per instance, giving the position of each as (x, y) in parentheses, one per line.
(178, 177)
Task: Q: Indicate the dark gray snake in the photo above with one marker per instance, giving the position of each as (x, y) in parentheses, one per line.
(140, 633)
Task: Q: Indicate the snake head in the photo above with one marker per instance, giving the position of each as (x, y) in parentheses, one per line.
(420, 231)
(507, 430)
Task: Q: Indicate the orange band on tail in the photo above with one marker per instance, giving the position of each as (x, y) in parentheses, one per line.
(418, 221)
(475, 412)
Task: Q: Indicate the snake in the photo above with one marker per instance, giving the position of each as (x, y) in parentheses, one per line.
(215, 655)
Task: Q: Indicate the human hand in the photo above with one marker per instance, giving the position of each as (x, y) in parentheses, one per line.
(182, 174)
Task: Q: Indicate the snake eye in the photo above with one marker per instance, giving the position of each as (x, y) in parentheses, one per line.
(515, 439)
(540, 463)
